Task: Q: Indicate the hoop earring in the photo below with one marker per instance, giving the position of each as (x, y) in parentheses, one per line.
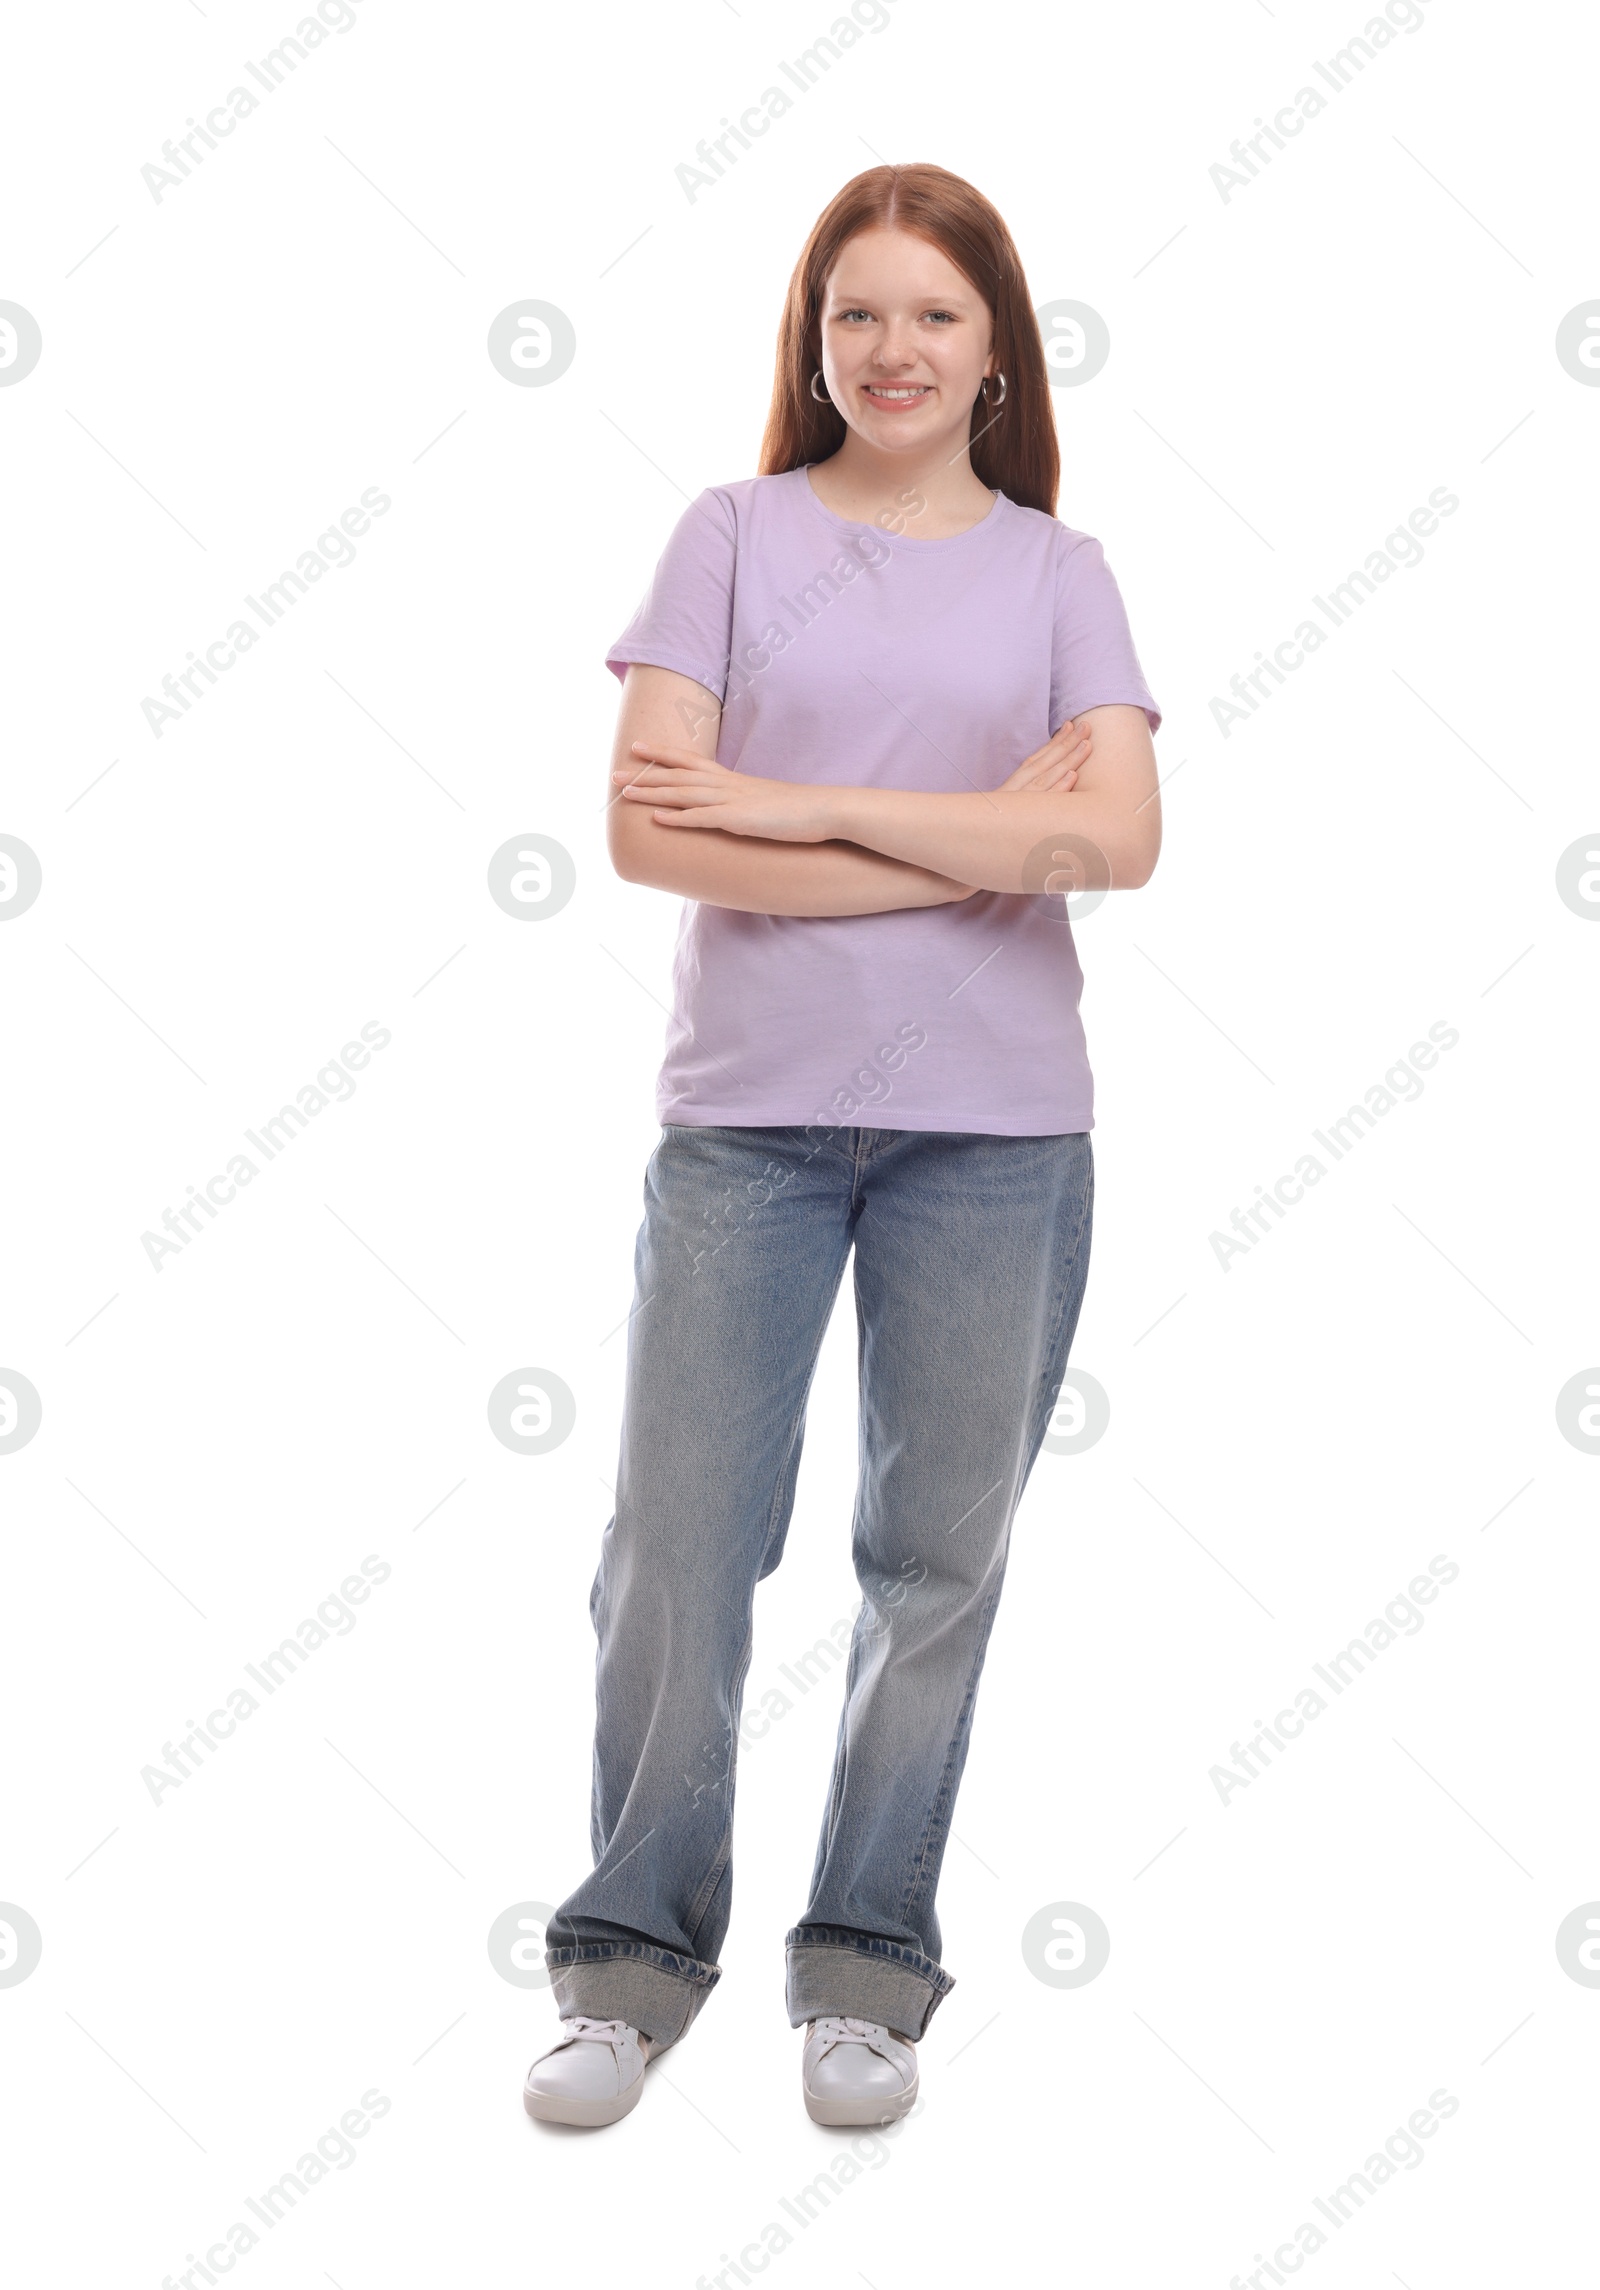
(983, 391)
(821, 395)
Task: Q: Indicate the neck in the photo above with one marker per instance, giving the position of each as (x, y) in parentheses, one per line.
(860, 480)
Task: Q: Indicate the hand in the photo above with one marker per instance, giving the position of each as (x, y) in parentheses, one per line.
(689, 790)
(1055, 766)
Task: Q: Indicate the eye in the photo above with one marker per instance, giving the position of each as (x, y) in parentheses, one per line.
(950, 314)
(855, 314)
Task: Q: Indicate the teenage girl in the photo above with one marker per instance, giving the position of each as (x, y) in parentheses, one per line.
(881, 712)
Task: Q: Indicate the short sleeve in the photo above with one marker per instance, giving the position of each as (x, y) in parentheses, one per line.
(686, 619)
(1093, 661)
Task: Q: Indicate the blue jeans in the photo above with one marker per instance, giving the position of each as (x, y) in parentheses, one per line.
(971, 1253)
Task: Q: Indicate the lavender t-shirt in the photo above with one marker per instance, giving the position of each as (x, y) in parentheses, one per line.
(847, 655)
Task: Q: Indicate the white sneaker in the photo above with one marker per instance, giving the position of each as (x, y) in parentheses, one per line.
(855, 2071)
(593, 2075)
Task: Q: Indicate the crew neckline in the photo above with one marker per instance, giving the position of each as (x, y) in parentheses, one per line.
(1001, 502)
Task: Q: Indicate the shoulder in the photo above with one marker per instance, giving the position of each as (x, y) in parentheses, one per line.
(1081, 567)
(722, 521)
(744, 500)
(1073, 549)
(1062, 546)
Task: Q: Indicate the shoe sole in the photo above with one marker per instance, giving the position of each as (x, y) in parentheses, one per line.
(864, 2112)
(587, 2114)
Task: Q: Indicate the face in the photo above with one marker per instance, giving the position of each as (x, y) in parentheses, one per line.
(905, 341)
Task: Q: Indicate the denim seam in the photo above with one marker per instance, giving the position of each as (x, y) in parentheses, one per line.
(724, 1853)
(828, 1145)
(1071, 1264)
(830, 1818)
(904, 1959)
(781, 1478)
(666, 1960)
(936, 1826)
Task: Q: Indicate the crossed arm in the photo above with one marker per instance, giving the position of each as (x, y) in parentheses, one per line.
(682, 822)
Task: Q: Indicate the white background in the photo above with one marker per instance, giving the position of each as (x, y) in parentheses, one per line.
(1293, 370)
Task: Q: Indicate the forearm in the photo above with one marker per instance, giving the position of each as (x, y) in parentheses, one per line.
(756, 876)
(985, 839)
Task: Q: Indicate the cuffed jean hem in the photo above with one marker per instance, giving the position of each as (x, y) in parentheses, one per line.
(652, 1989)
(836, 1972)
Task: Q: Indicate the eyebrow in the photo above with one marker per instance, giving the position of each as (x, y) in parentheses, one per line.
(839, 294)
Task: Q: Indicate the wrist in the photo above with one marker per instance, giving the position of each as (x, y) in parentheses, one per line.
(844, 813)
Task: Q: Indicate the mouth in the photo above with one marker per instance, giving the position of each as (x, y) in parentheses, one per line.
(901, 394)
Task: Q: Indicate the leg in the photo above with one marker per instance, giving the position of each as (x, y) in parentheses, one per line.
(738, 1264)
(971, 1257)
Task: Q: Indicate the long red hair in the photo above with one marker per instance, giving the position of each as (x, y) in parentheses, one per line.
(1013, 446)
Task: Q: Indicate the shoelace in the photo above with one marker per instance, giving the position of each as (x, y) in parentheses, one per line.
(848, 2029)
(595, 2031)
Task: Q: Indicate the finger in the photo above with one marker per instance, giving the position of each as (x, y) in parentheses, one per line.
(657, 774)
(1065, 765)
(679, 795)
(1041, 755)
(1059, 754)
(663, 758)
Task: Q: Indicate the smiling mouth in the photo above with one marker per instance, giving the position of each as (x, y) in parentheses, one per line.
(898, 396)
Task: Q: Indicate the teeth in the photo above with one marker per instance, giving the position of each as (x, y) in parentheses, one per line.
(920, 391)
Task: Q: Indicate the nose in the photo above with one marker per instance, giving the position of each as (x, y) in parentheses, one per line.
(897, 349)
(896, 353)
